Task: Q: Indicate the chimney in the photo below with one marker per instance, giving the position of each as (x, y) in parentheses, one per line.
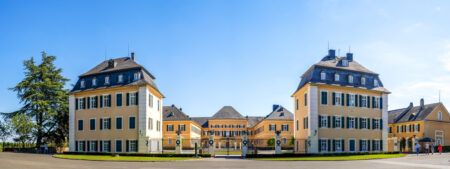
(111, 63)
(422, 103)
(173, 105)
(331, 54)
(275, 107)
(132, 56)
(181, 109)
(349, 57)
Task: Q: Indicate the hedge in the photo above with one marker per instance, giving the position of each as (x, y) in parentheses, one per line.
(137, 154)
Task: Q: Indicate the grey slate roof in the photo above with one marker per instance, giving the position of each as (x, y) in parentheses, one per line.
(280, 113)
(411, 113)
(172, 113)
(227, 112)
(352, 66)
(123, 63)
(253, 120)
(203, 121)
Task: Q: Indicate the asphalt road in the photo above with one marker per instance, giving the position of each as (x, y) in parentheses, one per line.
(33, 161)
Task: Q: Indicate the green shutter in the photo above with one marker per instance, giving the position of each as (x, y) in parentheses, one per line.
(342, 122)
(101, 101)
(76, 104)
(329, 121)
(333, 122)
(137, 98)
(342, 99)
(128, 99)
(348, 100)
(334, 98)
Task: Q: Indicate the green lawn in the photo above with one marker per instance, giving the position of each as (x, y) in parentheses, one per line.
(231, 152)
(119, 158)
(334, 158)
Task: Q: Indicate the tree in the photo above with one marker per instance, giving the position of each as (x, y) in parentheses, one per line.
(5, 132)
(271, 142)
(23, 128)
(44, 100)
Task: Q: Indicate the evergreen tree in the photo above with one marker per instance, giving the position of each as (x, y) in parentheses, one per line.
(23, 128)
(44, 100)
(5, 132)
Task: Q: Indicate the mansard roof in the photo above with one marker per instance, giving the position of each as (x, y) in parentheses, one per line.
(123, 63)
(411, 113)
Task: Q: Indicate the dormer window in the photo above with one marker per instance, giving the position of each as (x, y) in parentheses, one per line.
(120, 78)
(82, 84)
(137, 76)
(363, 80)
(336, 77)
(107, 80)
(345, 63)
(323, 75)
(94, 81)
(350, 78)
(375, 82)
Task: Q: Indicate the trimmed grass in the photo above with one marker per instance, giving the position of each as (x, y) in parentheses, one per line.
(224, 152)
(335, 158)
(119, 158)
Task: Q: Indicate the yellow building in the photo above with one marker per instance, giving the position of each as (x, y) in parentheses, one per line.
(340, 106)
(412, 124)
(116, 107)
(174, 120)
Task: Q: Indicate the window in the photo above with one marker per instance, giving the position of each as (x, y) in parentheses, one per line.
(150, 123)
(390, 129)
(363, 80)
(81, 103)
(106, 79)
(376, 124)
(181, 127)
(416, 128)
(272, 127)
(376, 145)
(94, 81)
(338, 145)
(336, 77)
(82, 85)
(306, 99)
(285, 127)
(119, 99)
(350, 78)
(81, 146)
(132, 122)
(324, 121)
(323, 145)
(118, 146)
(106, 146)
(119, 123)
(351, 123)
(169, 141)
(324, 97)
(92, 124)
(92, 146)
(93, 102)
(80, 125)
(439, 116)
(150, 100)
(352, 100)
(338, 99)
(137, 76)
(345, 62)
(376, 102)
(158, 125)
(337, 122)
(296, 104)
(305, 123)
(296, 125)
(375, 83)
(120, 78)
(323, 75)
(159, 105)
(439, 137)
(170, 127)
(363, 123)
(106, 100)
(132, 146)
(133, 99)
(363, 145)
(106, 123)
(364, 101)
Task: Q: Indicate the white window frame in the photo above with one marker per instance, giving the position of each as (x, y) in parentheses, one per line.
(364, 101)
(92, 144)
(323, 75)
(348, 143)
(377, 145)
(376, 83)
(338, 95)
(439, 116)
(92, 102)
(364, 123)
(104, 145)
(377, 102)
(376, 124)
(337, 77)
(132, 98)
(167, 127)
(337, 142)
(82, 83)
(150, 100)
(363, 80)
(105, 101)
(324, 120)
(274, 127)
(106, 79)
(326, 91)
(352, 100)
(120, 78)
(441, 134)
(81, 142)
(352, 123)
(337, 119)
(150, 123)
(94, 81)
(136, 76)
(324, 145)
(105, 122)
(365, 147)
(80, 103)
(132, 148)
(285, 127)
(350, 79)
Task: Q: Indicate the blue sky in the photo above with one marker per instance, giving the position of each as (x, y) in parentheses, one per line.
(248, 54)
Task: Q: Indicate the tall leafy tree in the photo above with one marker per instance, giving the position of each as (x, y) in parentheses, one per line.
(44, 99)
(23, 128)
(5, 132)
